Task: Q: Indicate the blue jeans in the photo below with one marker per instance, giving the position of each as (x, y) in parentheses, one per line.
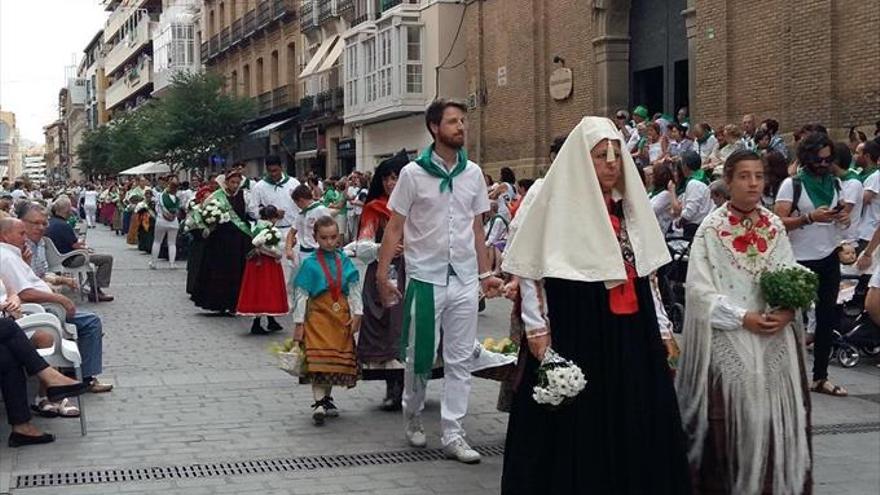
(90, 341)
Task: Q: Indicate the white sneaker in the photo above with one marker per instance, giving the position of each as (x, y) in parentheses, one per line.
(318, 414)
(415, 432)
(152, 266)
(173, 266)
(461, 452)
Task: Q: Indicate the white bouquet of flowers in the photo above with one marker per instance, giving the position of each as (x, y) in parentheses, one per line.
(213, 213)
(142, 206)
(559, 380)
(267, 238)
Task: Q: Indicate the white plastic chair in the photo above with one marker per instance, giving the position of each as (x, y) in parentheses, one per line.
(64, 353)
(86, 271)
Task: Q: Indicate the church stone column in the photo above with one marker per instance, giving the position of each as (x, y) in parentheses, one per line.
(611, 50)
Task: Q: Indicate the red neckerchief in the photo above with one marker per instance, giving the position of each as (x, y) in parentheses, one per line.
(334, 286)
(622, 299)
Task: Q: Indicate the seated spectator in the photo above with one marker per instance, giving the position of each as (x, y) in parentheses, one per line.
(719, 192)
(65, 240)
(21, 280)
(5, 203)
(35, 223)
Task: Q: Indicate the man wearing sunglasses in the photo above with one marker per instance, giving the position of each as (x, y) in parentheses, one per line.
(810, 205)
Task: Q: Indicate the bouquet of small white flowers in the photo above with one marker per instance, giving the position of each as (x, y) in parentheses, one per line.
(142, 206)
(213, 213)
(267, 238)
(559, 380)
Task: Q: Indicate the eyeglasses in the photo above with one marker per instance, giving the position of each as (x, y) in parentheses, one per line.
(621, 116)
(40, 224)
(828, 160)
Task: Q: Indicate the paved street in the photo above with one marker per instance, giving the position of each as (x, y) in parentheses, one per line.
(197, 389)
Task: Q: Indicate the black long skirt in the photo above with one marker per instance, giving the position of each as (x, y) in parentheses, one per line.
(217, 277)
(623, 433)
(379, 336)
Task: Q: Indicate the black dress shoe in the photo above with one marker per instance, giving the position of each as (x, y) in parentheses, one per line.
(257, 329)
(55, 394)
(18, 439)
(273, 325)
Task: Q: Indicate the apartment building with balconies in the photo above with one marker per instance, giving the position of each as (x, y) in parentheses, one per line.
(10, 155)
(253, 44)
(91, 70)
(326, 143)
(128, 63)
(72, 101)
(175, 43)
(398, 56)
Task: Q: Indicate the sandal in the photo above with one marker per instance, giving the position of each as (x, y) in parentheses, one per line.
(825, 387)
(45, 409)
(67, 410)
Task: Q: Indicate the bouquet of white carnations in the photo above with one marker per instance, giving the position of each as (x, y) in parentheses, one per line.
(267, 238)
(214, 214)
(142, 206)
(559, 380)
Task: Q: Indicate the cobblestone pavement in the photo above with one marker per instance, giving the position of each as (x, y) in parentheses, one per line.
(198, 389)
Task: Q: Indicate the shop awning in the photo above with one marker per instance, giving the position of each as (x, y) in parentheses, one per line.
(147, 168)
(333, 56)
(266, 129)
(319, 57)
(305, 155)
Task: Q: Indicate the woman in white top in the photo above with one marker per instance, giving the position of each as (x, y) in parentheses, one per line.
(661, 196)
(167, 207)
(655, 147)
(90, 204)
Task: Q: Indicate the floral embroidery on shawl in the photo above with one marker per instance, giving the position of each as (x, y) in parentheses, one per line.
(746, 244)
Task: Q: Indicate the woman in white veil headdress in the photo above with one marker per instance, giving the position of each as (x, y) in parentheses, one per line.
(585, 245)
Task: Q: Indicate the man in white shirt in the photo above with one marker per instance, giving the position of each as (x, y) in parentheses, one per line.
(20, 279)
(356, 193)
(815, 221)
(749, 126)
(18, 191)
(275, 189)
(437, 207)
(871, 213)
(695, 197)
(705, 141)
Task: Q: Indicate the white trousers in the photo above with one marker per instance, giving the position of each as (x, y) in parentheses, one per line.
(158, 234)
(286, 266)
(455, 311)
(90, 214)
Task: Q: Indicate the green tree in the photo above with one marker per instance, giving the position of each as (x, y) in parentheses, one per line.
(132, 138)
(93, 152)
(194, 119)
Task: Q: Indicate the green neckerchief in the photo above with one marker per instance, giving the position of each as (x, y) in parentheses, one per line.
(700, 175)
(246, 183)
(223, 199)
(819, 189)
(170, 202)
(706, 136)
(331, 196)
(697, 175)
(866, 172)
(654, 192)
(71, 220)
(424, 160)
(419, 301)
(310, 207)
(850, 175)
(280, 183)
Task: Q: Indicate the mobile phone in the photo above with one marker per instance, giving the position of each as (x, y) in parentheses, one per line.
(839, 208)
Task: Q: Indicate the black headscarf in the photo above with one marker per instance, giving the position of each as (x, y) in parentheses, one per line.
(388, 166)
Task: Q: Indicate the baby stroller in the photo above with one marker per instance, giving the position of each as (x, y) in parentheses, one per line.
(856, 334)
(672, 278)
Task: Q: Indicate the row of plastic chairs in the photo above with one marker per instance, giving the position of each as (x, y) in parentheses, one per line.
(64, 352)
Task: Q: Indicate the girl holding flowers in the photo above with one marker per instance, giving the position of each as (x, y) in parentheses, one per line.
(327, 314)
(263, 291)
(741, 380)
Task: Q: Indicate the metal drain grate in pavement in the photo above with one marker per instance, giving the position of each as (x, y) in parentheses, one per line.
(841, 428)
(238, 468)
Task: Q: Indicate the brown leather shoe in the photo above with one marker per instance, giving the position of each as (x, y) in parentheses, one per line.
(101, 297)
(99, 388)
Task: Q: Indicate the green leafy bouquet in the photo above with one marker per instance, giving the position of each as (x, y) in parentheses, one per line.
(789, 288)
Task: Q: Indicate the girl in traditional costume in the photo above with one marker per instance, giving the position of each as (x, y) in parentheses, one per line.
(327, 315)
(741, 380)
(583, 250)
(263, 291)
(145, 219)
(379, 339)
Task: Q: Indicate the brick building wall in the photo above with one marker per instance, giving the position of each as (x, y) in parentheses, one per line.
(810, 62)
